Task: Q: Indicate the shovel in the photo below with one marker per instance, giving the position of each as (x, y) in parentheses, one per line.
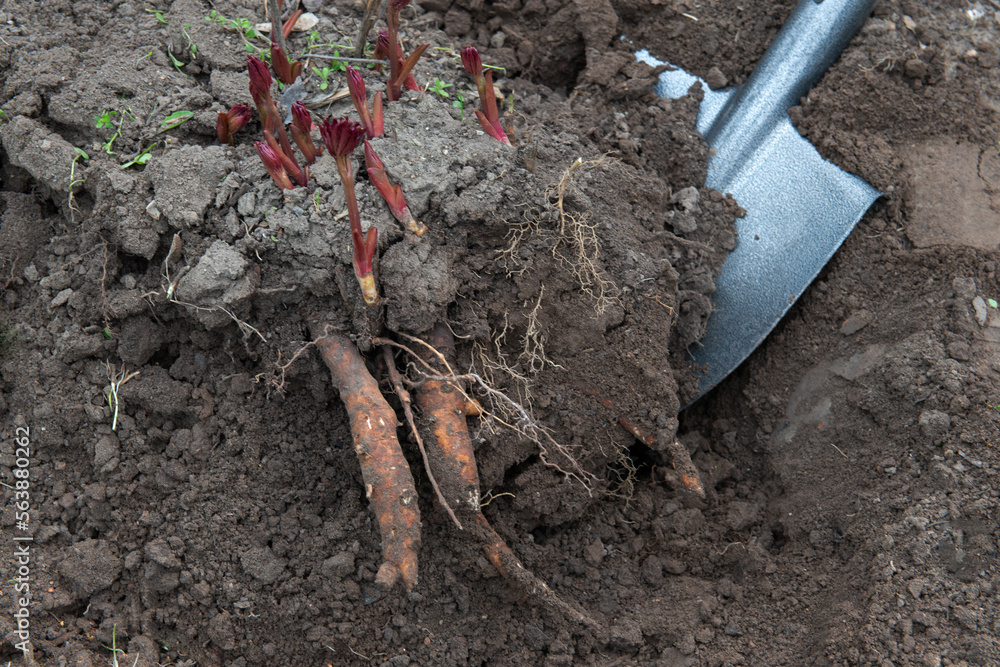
(800, 208)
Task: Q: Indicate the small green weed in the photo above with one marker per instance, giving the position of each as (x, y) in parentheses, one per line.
(175, 62)
(455, 55)
(192, 47)
(459, 103)
(324, 74)
(141, 158)
(158, 14)
(337, 65)
(175, 119)
(114, 647)
(439, 87)
(78, 154)
(107, 119)
(247, 32)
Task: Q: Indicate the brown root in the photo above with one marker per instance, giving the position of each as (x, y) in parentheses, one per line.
(450, 449)
(388, 482)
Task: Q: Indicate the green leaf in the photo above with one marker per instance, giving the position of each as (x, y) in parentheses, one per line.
(80, 152)
(992, 302)
(106, 333)
(142, 158)
(175, 119)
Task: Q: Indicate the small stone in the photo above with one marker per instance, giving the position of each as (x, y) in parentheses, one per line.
(979, 305)
(153, 210)
(934, 423)
(262, 564)
(106, 449)
(339, 566)
(246, 204)
(594, 552)
(160, 553)
(652, 570)
(674, 566)
(966, 617)
(914, 68)
(715, 79)
(61, 298)
(855, 323)
(89, 566)
(965, 288)
(916, 587)
(959, 350)
(688, 198)
(221, 631)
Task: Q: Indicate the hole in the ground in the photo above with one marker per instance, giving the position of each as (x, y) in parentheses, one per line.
(778, 537)
(166, 355)
(545, 534)
(512, 472)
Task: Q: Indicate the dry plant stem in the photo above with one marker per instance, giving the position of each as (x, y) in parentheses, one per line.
(445, 431)
(388, 482)
(404, 399)
(561, 190)
(372, 10)
(277, 33)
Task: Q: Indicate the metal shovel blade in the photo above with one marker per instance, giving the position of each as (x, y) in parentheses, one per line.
(800, 208)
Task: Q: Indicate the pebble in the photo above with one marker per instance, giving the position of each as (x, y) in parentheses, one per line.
(934, 423)
(716, 79)
(855, 323)
(979, 305)
(61, 298)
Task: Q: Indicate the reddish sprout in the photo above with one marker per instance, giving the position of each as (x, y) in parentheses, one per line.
(232, 121)
(301, 127)
(488, 117)
(356, 84)
(393, 194)
(381, 49)
(286, 30)
(273, 165)
(341, 138)
(287, 160)
(287, 71)
(260, 83)
(400, 68)
(472, 63)
(270, 119)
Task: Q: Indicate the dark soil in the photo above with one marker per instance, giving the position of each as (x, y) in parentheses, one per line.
(219, 517)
